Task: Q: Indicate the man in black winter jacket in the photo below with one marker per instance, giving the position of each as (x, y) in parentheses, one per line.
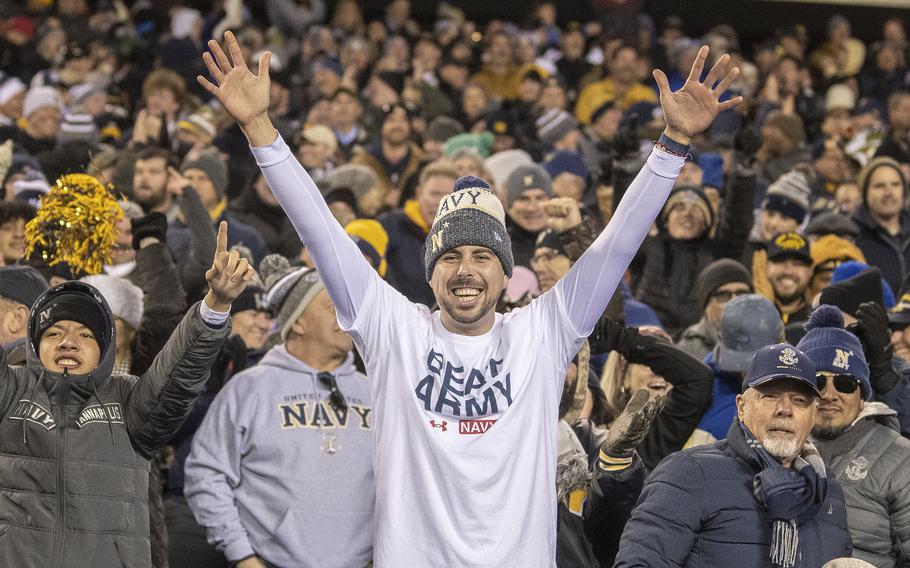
(76, 439)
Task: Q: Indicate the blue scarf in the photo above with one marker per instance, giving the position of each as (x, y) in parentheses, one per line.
(791, 496)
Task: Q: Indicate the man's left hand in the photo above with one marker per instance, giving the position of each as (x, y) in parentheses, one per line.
(228, 275)
(692, 109)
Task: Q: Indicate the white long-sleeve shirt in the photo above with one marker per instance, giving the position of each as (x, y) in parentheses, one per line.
(465, 427)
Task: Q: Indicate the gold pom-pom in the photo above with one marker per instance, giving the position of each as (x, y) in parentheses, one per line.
(75, 224)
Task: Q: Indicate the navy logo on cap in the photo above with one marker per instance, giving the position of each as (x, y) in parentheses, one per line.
(842, 359)
(788, 357)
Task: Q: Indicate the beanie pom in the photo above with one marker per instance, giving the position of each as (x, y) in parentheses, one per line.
(470, 182)
(272, 268)
(825, 316)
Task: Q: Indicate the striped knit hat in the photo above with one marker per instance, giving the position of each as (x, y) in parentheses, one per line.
(470, 215)
(290, 290)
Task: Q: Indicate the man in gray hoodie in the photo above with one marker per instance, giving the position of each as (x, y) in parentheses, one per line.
(281, 470)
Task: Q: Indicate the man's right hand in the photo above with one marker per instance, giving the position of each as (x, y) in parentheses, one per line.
(245, 96)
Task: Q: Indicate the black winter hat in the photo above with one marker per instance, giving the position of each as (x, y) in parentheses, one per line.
(850, 293)
(74, 301)
(22, 284)
(718, 273)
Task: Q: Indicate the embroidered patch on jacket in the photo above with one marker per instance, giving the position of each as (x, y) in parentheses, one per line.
(94, 413)
(34, 413)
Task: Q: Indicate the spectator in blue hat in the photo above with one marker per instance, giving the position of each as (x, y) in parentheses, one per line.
(760, 496)
(569, 173)
(860, 442)
(747, 324)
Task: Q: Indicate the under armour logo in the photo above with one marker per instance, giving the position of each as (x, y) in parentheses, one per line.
(497, 237)
(441, 425)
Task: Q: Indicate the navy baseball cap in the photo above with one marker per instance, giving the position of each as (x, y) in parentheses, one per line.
(780, 361)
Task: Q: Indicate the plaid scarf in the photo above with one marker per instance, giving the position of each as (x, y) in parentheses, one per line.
(791, 496)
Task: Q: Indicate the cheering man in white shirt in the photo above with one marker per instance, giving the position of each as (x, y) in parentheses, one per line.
(466, 400)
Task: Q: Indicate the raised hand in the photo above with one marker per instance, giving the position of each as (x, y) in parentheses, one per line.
(562, 214)
(692, 109)
(228, 275)
(245, 96)
(631, 427)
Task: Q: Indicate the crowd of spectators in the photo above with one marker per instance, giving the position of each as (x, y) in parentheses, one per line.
(783, 204)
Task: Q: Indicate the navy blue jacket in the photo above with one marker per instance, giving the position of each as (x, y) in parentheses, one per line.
(407, 240)
(697, 510)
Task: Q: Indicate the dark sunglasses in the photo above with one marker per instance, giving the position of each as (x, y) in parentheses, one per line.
(846, 384)
(727, 295)
(336, 399)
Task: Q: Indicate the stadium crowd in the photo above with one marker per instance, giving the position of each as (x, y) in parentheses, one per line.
(205, 397)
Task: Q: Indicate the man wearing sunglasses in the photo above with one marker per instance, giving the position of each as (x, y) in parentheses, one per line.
(860, 443)
(280, 472)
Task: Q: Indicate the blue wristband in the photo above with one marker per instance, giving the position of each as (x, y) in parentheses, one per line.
(673, 146)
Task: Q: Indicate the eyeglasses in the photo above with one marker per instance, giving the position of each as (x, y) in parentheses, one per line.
(846, 384)
(336, 399)
(725, 296)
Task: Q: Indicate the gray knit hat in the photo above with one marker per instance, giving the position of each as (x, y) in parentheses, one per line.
(215, 168)
(470, 215)
(529, 176)
(790, 194)
(290, 290)
(553, 125)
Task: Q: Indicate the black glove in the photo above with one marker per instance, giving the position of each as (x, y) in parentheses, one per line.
(875, 335)
(746, 144)
(152, 225)
(633, 424)
(610, 335)
(627, 142)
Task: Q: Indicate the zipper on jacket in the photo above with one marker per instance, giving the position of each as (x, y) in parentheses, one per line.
(61, 488)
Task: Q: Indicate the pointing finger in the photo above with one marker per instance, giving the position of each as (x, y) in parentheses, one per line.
(720, 67)
(699, 65)
(221, 241)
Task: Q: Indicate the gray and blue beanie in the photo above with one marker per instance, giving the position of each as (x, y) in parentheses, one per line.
(470, 215)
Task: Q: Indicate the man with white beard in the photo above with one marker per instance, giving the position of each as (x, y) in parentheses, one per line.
(760, 496)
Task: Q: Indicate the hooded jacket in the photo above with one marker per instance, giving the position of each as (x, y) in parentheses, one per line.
(74, 451)
(891, 253)
(871, 461)
(275, 470)
(407, 232)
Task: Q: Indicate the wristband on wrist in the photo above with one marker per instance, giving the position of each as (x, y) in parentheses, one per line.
(671, 146)
(606, 462)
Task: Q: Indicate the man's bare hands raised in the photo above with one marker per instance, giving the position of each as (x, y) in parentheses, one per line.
(245, 96)
(692, 109)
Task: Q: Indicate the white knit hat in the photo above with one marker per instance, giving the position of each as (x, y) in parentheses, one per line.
(124, 297)
(9, 88)
(40, 97)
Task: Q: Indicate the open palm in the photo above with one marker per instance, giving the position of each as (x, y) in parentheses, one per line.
(245, 96)
(692, 109)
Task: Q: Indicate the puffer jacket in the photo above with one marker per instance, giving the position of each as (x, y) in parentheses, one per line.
(698, 510)
(871, 461)
(74, 451)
